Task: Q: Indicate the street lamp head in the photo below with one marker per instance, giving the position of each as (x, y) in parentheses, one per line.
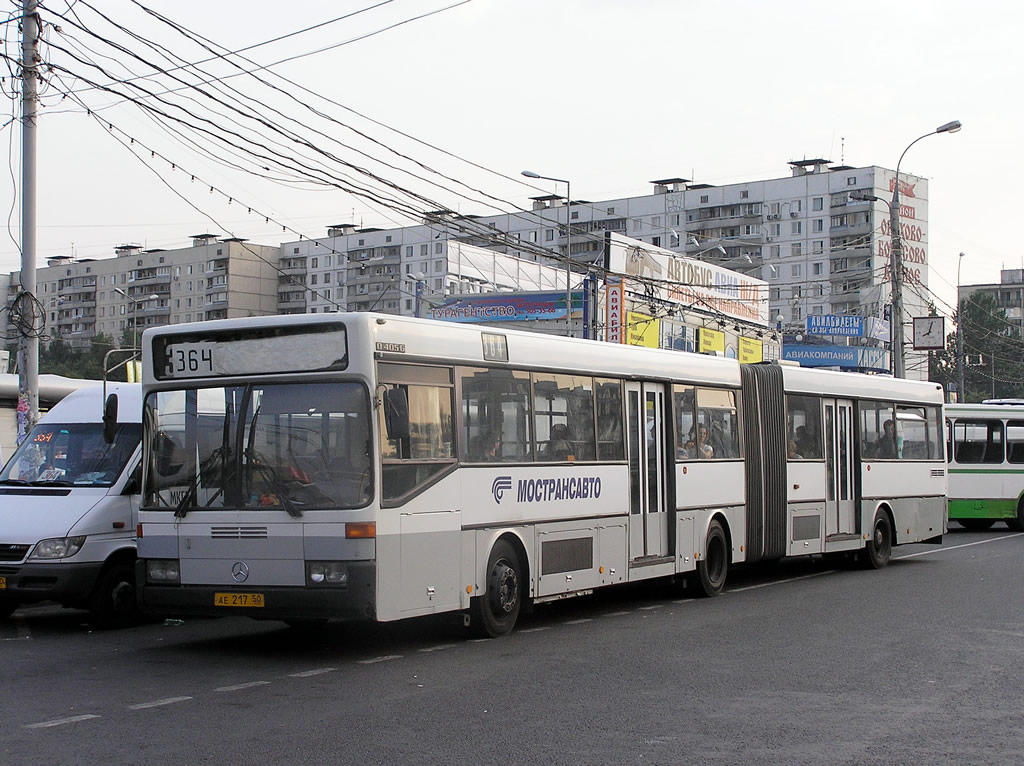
(122, 292)
(530, 174)
(949, 127)
(694, 242)
(721, 249)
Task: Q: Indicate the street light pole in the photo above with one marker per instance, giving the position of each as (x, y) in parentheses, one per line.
(896, 256)
(568, 245)
(960, 393)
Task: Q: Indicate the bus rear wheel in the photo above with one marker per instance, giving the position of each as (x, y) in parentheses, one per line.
(714, 567)
(879, 546)
(976, 525)
(496, 611)
(1017, 524)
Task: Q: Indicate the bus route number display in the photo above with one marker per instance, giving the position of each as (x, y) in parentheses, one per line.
(188, 359)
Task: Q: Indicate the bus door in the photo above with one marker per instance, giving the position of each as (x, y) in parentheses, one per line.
(840, 503)
(648, 498)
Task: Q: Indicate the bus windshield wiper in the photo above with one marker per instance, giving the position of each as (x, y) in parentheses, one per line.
(52, 483)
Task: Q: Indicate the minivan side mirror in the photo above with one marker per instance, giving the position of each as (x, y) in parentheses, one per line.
(110, 418)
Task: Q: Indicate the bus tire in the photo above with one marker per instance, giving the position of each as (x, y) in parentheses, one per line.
(714, 567)
(976, 525)
(1017, 523)
(7, 608)
(878, 549)
(496, 611)
(113, 603)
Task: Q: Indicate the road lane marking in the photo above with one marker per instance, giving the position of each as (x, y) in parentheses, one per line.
(438, 648)
(954, 547)
(308, 673)
(157, 703)
(578, 622)
(615, 614)
(60, 721)
(684, 601)
(385, 658)
(781, 582)
(649, 608)
(528, 630)
(239, 687)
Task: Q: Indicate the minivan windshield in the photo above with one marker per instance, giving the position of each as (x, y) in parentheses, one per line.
(71, 455)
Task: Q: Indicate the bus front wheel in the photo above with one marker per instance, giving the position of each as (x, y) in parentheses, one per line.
(879, 546)
(714, 567)
(496, 611)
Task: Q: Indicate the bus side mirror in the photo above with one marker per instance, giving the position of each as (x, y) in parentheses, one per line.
(396, 413)
(110, 418)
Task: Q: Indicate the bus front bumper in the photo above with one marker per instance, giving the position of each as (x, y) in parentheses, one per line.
(355, 601)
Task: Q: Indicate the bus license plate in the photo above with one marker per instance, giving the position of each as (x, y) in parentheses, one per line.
(238, 599)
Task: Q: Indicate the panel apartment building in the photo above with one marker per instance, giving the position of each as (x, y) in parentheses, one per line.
(212, 279)
(822, 249)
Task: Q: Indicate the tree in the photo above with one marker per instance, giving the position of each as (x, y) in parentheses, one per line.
(993, 352)
(59, 358)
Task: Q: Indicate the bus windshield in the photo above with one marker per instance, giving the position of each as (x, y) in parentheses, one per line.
(71, 455)
(287, 446)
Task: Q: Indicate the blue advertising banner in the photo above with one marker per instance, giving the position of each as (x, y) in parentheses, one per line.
(847, 325)
(852, 357)
(507, 307)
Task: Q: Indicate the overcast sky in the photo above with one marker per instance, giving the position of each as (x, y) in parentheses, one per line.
(608, 93)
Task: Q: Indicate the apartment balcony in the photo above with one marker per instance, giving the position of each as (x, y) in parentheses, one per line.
(292, 303)
(292, 270)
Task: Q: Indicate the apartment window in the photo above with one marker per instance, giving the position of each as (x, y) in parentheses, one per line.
(533, 236)
(438, 248)
(818, 224)
(295, 250)
(424, 249)
(796, 248)
(818, 203)
(362, 242)
(817, 268)
(656, 221)
(637, 223)
(819, 246)
(775, 293)
(675, 219)
(797, 270)
(327, 277)
(851, 181)
(315, 262)
(575, 214)
(656, 241)
(796, 227)
(438, 266)
(327, 260)
(703, 199)
(408, 251)
(774, 251)
(387, 238)
(744, 194)
(610, 211)
(775, 229)
(549, 234)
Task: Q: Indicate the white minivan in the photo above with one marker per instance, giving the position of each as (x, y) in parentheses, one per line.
(68, 504)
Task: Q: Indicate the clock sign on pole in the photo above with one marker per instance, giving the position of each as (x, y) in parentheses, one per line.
(929, 333)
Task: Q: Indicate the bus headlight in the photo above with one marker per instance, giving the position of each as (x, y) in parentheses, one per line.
(164, 571)
(326, 573)
(58, 547)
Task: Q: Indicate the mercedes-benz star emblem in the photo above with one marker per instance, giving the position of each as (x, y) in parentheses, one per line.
(240, 571)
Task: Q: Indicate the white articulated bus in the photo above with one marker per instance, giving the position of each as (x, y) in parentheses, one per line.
(361, 466)
(986, 464)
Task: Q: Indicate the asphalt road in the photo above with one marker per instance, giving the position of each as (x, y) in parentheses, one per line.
(798, 663)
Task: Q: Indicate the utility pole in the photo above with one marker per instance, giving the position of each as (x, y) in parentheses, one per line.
(28, 338)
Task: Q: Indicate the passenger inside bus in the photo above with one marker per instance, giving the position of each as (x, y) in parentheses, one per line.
(559, 447)
(886, 448)
(698, 447)
(486, 447)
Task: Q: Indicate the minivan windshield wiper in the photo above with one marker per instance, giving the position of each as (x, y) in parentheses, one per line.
(16, 482)
(52, 483)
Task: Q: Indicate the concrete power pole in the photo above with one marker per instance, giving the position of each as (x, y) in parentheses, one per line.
(28, 338)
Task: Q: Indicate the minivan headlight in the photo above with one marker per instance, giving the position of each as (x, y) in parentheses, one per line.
(58, 547)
